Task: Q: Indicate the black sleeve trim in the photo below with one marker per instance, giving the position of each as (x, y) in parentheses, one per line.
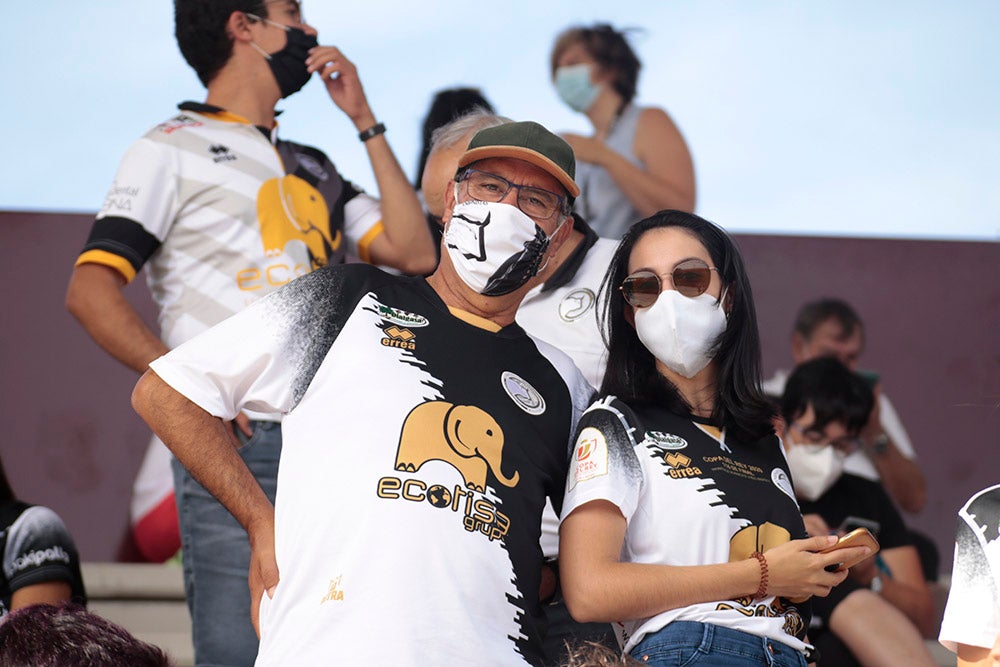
(123, 237)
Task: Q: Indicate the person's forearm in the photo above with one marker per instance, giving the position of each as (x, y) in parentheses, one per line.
(902, 478)
(204, 445)
(647, 193)
(618, 591)
(407, 243)
(975, 656)
(95, 299)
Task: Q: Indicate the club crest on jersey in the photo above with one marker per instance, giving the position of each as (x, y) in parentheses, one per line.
(522, 393)
(780, 479)
(400, 337)
(576, 304)
(590, 458)
(402, 317)
(667, 441)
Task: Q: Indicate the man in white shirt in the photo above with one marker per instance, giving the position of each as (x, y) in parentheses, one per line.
(830, 327)
(423, 429)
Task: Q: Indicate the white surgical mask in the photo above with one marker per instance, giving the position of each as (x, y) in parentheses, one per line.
(814, 468)
(680, 331)
(574, 87)
(495, 248)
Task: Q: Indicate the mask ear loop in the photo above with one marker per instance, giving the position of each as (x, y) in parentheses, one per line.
(548, 255)
(722, 302)
(268, 22)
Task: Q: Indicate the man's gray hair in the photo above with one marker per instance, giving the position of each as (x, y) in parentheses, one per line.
(451, 133)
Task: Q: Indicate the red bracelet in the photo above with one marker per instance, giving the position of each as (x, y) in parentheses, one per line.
(762, 589)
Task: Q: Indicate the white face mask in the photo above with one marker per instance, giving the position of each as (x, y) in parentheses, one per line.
(494, 247)
(680, 331)
(814, 468)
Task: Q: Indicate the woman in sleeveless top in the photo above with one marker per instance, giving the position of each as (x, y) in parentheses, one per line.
(636, 162)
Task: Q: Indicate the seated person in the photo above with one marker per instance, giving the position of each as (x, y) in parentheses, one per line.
(40, 562)
(832, 328)
(824, 408)
(68, 635)
(971, 624)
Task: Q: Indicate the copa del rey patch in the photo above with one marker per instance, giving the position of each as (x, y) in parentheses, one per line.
(591, 456)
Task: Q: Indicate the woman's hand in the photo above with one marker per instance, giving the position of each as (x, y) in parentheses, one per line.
(796, 571)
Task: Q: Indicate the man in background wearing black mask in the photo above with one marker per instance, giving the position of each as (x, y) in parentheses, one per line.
(224, 212)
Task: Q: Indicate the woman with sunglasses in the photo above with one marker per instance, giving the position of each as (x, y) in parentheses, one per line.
(680, 524)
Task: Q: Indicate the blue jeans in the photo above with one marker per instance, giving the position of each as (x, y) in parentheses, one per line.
(683, 643)
(216, 554)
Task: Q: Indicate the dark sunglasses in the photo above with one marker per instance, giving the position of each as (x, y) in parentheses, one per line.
(691, 278)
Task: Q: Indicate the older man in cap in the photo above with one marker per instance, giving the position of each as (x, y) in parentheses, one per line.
(424, 430)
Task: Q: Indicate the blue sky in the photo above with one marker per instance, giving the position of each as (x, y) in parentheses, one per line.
(844, 118)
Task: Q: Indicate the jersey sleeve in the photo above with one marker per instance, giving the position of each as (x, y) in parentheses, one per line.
(362, 220)
(137, 213)
(604, 465)
(972, 613)
(39, 549)
(264, 357)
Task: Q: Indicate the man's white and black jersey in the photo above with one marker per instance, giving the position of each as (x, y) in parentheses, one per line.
(419, 449)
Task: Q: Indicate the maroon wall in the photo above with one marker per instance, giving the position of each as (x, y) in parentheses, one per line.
(932, 310)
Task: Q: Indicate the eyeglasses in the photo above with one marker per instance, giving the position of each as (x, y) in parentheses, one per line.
(535, 202)
(691, 278)
(846, 445)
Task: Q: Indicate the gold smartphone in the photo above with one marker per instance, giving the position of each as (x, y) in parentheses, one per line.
(859, 537)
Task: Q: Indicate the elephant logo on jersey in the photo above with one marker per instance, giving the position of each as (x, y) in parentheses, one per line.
(462, 435)
(290, 209)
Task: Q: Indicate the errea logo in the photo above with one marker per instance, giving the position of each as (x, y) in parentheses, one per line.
(221, 153)
(399, 337)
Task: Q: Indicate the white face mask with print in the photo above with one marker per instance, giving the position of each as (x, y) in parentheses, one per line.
(814, 468)
(494, 247)
(680, 331)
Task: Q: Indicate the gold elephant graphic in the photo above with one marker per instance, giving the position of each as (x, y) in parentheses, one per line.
(463, 435)
(290, 209)
(757, 538)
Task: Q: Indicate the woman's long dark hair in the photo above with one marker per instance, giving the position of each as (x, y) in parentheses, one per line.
(740, 405)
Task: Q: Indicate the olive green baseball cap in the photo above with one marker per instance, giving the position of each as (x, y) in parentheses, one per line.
(528, 141)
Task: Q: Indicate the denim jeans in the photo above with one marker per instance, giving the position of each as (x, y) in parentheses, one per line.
(683, 643)
(216, 554)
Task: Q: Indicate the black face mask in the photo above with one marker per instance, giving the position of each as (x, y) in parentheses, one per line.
(289, 64)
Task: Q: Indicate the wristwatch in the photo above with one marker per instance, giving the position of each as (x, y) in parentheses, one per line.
(876, 584)
(880, 443)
